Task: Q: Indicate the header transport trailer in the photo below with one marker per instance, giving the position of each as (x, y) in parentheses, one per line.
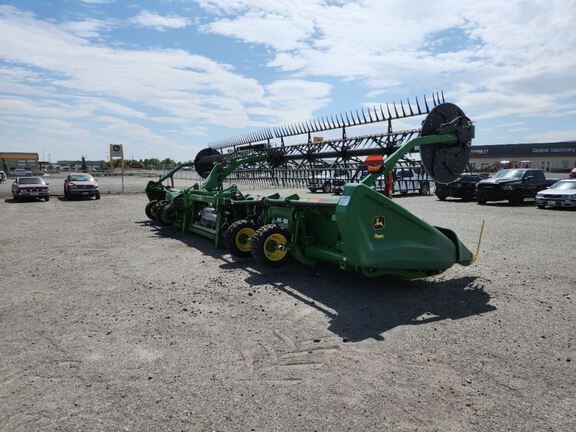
(361, 230)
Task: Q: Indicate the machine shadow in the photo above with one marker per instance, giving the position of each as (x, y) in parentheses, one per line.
(358, 307)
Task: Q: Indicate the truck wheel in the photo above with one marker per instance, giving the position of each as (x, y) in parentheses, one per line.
(541, 206)
(441, 197)
(515, 201)
(148, 210)
(481, 201)
(327, 187)
(97, 196)
(237, 238)
(424, 189)
(268, 245)
(47, 198)
(313, 190)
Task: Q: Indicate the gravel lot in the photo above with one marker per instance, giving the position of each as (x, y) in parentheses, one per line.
(108, 323)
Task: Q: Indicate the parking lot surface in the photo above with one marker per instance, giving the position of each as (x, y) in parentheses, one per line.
(109, 322)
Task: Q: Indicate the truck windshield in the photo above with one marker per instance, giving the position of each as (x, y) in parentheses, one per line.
(81, 178)
(32, 180)
(509, 174)
(564, 185)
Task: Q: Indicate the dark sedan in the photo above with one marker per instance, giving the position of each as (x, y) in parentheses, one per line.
(463, 187)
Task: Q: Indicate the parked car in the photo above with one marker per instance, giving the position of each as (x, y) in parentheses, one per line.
(81, 185)
(560, 194)
(30, 187)
(20, 172)
(463, 187)
(513, 185)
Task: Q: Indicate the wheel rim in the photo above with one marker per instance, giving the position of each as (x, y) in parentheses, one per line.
(271, 247)
(243, 239)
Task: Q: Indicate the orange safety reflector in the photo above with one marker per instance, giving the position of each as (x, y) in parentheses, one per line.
(374, 163)
(374, 160)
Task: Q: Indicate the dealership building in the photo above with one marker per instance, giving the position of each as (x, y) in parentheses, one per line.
(557, 157)
(12, 160)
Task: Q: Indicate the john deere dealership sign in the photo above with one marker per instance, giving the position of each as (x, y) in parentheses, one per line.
(567, 148)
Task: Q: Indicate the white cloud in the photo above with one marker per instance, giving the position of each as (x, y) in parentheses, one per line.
(96, 2)
(159, 22)
(551, 136)
(52, 71)
(511, 58)
(89, 28)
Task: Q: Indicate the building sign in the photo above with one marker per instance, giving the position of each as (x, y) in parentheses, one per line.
(116, 151)
(567, 148)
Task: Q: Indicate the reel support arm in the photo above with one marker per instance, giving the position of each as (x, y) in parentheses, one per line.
(222, 170)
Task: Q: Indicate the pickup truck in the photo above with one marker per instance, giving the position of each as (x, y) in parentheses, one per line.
(20, 172)
(513, 185)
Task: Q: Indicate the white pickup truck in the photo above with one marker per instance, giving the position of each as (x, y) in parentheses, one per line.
(20, 172)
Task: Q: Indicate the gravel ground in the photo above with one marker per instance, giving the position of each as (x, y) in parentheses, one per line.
(109, 322)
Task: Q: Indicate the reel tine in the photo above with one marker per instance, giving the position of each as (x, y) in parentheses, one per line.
(402, 106)
(349, 122)
(395, 109)
(418, 106)
(389, 113)
(382, 111)
(376, 113)
(364, 115)
(426, 103)
(434, 99)
(410, 106)
(443, 100)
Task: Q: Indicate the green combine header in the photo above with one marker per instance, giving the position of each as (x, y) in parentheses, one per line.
(362, 230)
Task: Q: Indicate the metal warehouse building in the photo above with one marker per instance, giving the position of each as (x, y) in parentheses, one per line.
(557, 157)
(11, 160)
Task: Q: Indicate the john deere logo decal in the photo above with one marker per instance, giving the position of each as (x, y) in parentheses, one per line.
(379, 223)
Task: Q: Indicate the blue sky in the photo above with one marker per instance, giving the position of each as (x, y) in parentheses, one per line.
(166, 77)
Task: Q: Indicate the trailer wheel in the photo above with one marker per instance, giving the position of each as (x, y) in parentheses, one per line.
(327, 187)
(148, 210)
(268, 245)
(168, 214)
(237, 238)
(424, 189)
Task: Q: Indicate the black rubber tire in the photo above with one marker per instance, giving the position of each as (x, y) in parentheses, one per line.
(259, 243)
(66, 195)
(47, 198)
(441, 197)
(481, 201)
(327, 187)
(156, 210)
(167, 216)
(148, 210)
(424, 189)
(516, 201)
(97, 196)
(541, 207)
(235, 241)
(313, 190)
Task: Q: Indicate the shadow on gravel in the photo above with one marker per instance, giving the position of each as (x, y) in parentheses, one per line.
(359, 308)
(507, 204)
